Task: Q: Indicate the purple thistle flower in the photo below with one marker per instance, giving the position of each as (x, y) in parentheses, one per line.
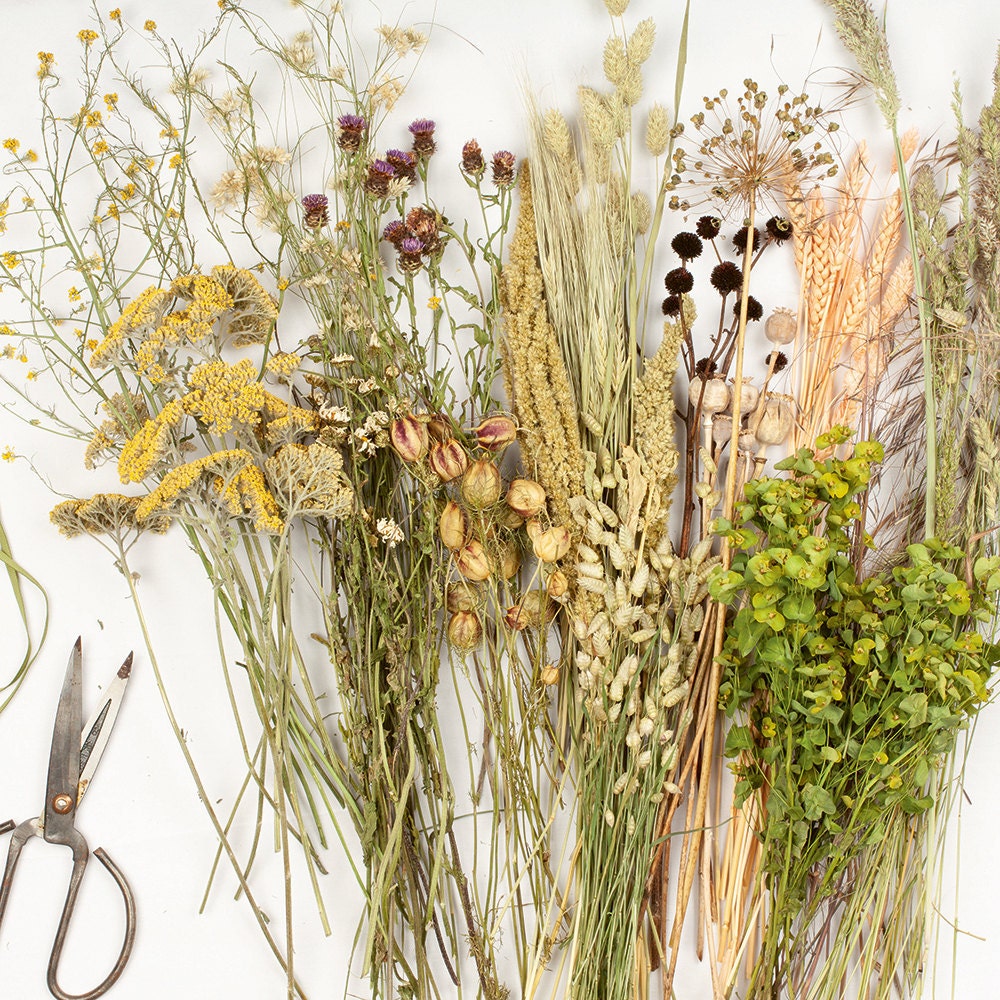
(395, 232)
(422, 131)
(316, 214)
(379, 175)
(411, 245)
(404, 163)
(503, 168)
(350, 129)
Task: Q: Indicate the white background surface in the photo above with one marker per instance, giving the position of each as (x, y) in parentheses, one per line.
(143, 807)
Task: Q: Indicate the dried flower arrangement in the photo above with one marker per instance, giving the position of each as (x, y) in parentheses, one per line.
(586, 569)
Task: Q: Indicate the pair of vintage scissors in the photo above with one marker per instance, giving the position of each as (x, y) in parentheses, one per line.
(76, 752)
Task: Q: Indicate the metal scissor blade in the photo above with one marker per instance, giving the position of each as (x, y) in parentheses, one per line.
(97, 731)
(64, 757)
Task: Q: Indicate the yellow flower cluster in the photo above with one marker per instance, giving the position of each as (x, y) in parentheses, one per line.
(139, 319)
(88, 36)
(223, 395)
(178, 481)
(283, 364)
(103, 514)
(46, 60)
(141, 454)
(247, 495)
(253, 312)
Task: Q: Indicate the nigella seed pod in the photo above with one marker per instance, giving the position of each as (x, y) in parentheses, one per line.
(473, 562)
(557, 584)
(526, 497)
(439, 427)
(408, 437)
(510, 561)
(549, 674)
(465, 631)
(534, 610)
(481, 484)
(472, 158)
(781, 326)
(715, 397)
(350, 129)
(453, 526)
(448, 459)
(462, 596)
(776, 421)
(495, 433)
(550, 546)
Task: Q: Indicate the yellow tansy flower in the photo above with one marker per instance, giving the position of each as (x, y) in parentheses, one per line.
(12, 145)
(10, 260)
(175, 161)
(150, 26)
(99, 147)
(116, 14)
(87, 36)
(434, 302)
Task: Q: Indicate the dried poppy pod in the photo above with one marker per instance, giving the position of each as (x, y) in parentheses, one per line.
(462, 596)
(549, 674)
(495, 433)
(722, 429)
(481, 484)
(473, 561)
(409, 439)
(776, 420)
(448, 459)
(534, 610)
(749, 398)
(715, 397)
(453, 526)
(525, 497)
(781, 326)
(550, 546)
(465, 631)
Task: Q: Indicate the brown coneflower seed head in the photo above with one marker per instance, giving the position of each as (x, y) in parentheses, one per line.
(777, 359)
(754, 309)
(740, 240)
(705, 367)
(671, 305)
(410, 251)
(402, 162)
(316, 214)
(708, 227)
(503, 168)
(687, 246)
(350, 130)
(422, 131)
(679, 281)
(395, 232)
(778, 228)
(472, 159)
(726, 277)
(379, 174)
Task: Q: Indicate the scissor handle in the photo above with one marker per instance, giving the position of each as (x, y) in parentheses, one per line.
(80, 858)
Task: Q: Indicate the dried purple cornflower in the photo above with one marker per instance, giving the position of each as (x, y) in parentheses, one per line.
(350, 129)
(503, 168)
(726, 277)
(671, 305)
(778, 228)
(395, 232)
(422, 131)
(740, 240)
(410, 251)
(708, 227)
(472, 158)
(755, 310)
(379, 175)
(705, 368)
(679, 281)
(423, 224)
(776, 361)
(316, 214)
(404, 163)
(687, 246)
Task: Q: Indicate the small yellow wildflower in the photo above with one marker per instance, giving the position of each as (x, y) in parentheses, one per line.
(74, 294)
(12, 145)
(32, 375)
(283, 364)
(149, 26)
(169, 133)
(31, 156)
(9, 351)
(343, 225)
(8, 454)
(6, 331)
(112, 211)
(91, 344)
(116, 14)
(10, 260)
(175, 161)
(283, 283)
(434, 302)
(93, 119)
(88, 36)
(127, 192)
(111, 100)
(46, 60)
(99, 147)
(23, 358)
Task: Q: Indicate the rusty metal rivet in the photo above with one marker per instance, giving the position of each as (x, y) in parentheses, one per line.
(62, 803)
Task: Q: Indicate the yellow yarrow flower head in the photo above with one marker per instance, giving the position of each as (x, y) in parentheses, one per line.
(116, 14)
(12, 145)
(46, 60)
(150, 25)
(88, 36)
(224, 396)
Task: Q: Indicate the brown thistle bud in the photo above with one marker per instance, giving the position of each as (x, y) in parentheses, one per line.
(410, 251)
(453, 527)
(316, 214)
(550, 546)
(395, 232)
(465, 631)
(472, 158)
(503, 168)
(558, 584)
(462, 596)
(473, 562)
(534, 610)
(495, 433)
(549, 674)
(422, 131)
(379, 174)
(448, 459)
(481, 484)
(525, 497)
(408, 437)
(350, 129)
(403, 163)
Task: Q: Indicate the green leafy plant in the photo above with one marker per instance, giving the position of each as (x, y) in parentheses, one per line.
(851, 692)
